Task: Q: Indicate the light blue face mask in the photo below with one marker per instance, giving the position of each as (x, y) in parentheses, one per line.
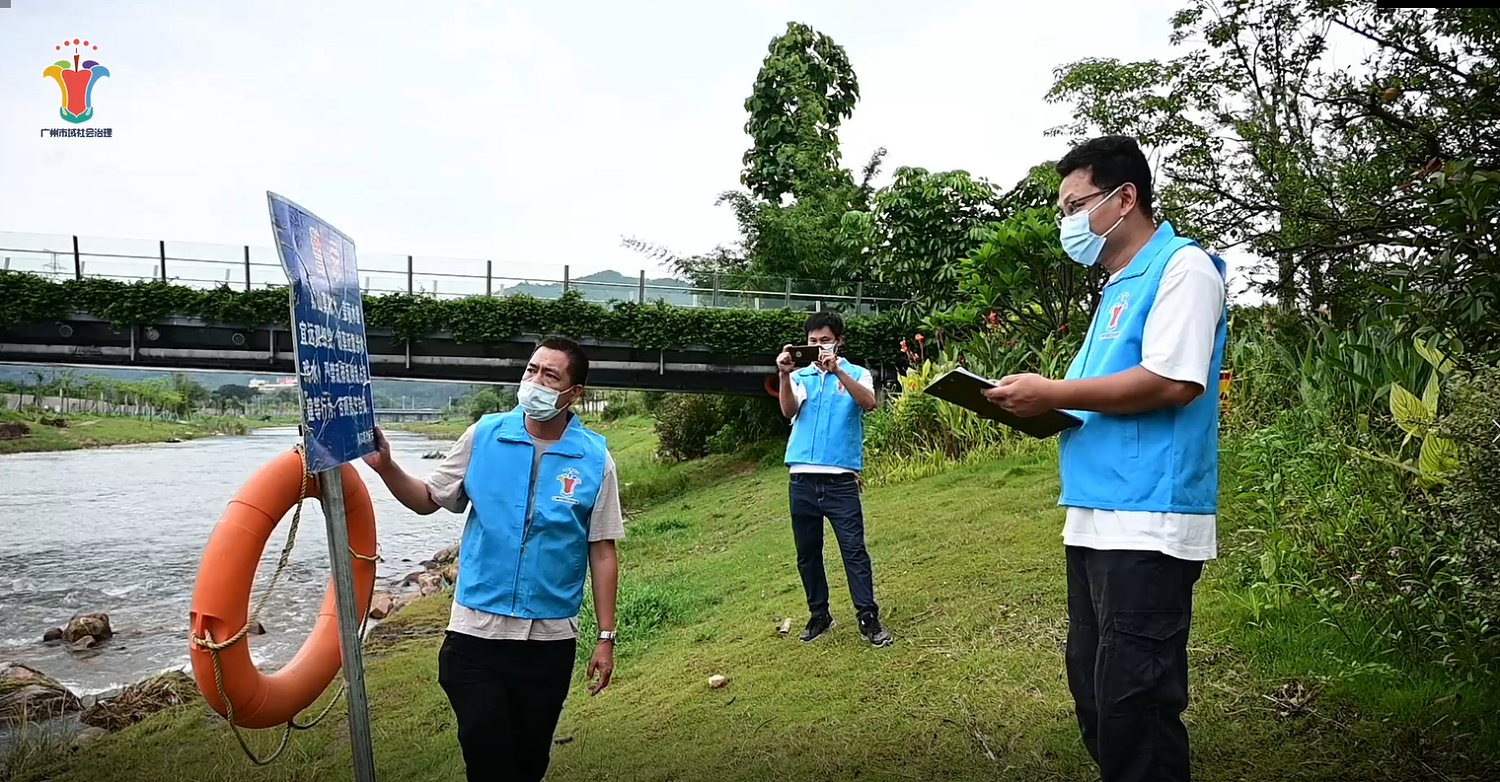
(1078, 238)
(538, 402)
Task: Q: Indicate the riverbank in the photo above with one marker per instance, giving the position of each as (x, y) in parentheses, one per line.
(970, 576)
(46, 432)
(445, 429)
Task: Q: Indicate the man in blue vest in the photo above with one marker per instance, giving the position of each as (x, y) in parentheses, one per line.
(826, 402)
(1140, 476)
(544, 509)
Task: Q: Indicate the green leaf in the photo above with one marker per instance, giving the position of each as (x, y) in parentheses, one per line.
(1268, 564)
(1430, 393)
(1435, 357)
(1410, 414)
(1438, 457)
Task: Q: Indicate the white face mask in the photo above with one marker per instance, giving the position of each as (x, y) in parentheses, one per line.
(539, 403)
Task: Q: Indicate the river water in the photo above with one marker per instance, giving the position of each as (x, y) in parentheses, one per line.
(121, 530)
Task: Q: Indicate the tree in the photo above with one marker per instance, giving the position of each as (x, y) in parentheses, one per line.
(1367, 188)
(191, 392)
(484, 403)
(790, 220)
(805, 89)
(233, 395)
(917, 230)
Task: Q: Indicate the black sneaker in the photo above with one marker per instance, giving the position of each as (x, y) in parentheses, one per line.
(869, 627)
(816, 627)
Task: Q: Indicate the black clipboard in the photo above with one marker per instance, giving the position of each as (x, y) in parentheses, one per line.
(965, 389)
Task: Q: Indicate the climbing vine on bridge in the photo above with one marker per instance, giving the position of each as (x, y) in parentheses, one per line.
(31, 298)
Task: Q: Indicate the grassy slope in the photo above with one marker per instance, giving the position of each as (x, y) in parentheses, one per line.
(969, 572)
(90, 431)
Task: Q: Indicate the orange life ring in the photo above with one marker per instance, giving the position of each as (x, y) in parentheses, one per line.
(773, 390)
(221, 597)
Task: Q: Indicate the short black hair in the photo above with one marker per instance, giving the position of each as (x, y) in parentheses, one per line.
(830, 320)
(578, 362)
(1112, 161)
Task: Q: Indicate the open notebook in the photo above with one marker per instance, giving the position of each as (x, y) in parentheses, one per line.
(965, 389)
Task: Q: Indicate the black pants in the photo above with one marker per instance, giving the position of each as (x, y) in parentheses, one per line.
(836, 497)
(1128, 618)
(507, 696)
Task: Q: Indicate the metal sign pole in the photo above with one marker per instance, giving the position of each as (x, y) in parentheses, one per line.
(333, 374)
(332, 486)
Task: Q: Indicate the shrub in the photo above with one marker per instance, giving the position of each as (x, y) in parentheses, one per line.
(622, 404)
(690, 426)
(484, 403)
(1465, 511)
(685, 424)
(747, 420)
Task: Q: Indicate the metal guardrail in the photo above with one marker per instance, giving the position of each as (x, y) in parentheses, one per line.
(210, 265)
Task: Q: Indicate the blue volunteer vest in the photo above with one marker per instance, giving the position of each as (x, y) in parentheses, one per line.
(1166, 460)
(525, 550)
(830, 427)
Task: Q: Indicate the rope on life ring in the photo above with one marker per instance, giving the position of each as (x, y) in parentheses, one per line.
(224, 671)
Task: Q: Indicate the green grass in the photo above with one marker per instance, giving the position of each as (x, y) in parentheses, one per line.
(968, 568)
(91, 431)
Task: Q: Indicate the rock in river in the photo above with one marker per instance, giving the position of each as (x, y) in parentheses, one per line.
(27, 695)
(96, 625)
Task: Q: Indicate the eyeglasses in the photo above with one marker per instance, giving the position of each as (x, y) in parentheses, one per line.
(1071, 208)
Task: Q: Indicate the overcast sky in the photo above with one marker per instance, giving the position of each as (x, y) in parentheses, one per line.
(534, 136)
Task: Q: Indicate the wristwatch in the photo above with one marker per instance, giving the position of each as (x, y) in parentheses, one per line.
(607, 635)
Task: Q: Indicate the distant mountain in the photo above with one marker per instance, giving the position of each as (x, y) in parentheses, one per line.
(610, 285)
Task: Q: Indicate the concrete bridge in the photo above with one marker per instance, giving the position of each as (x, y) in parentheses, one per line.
(83, 340)
(398, 415)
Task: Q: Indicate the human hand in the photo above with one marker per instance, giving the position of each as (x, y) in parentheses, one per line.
(828, 361)
(603, 664)
(381, 458)
(784, 361)
(1025, 395)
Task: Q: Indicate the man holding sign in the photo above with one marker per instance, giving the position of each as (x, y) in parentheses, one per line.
(1140, 474)
(544, 508)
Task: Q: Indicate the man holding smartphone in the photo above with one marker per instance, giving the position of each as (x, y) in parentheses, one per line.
(826, 402)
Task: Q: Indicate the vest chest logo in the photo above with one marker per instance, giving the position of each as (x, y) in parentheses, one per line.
(839, 388)
(568, 481)
(1116, 310)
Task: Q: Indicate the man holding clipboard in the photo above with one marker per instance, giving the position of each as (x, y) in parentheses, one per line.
(1140, 472)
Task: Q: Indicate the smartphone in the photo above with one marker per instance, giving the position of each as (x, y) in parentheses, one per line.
(804, 354)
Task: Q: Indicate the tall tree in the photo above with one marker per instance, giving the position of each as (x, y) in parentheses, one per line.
(805, 89)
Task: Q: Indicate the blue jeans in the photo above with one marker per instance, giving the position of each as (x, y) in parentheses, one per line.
(835, 497)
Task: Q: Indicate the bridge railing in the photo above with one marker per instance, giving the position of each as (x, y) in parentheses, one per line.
(246, 267)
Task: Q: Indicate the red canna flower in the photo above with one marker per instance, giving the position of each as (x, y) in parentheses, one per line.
(1063, 329)
(920, 338)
